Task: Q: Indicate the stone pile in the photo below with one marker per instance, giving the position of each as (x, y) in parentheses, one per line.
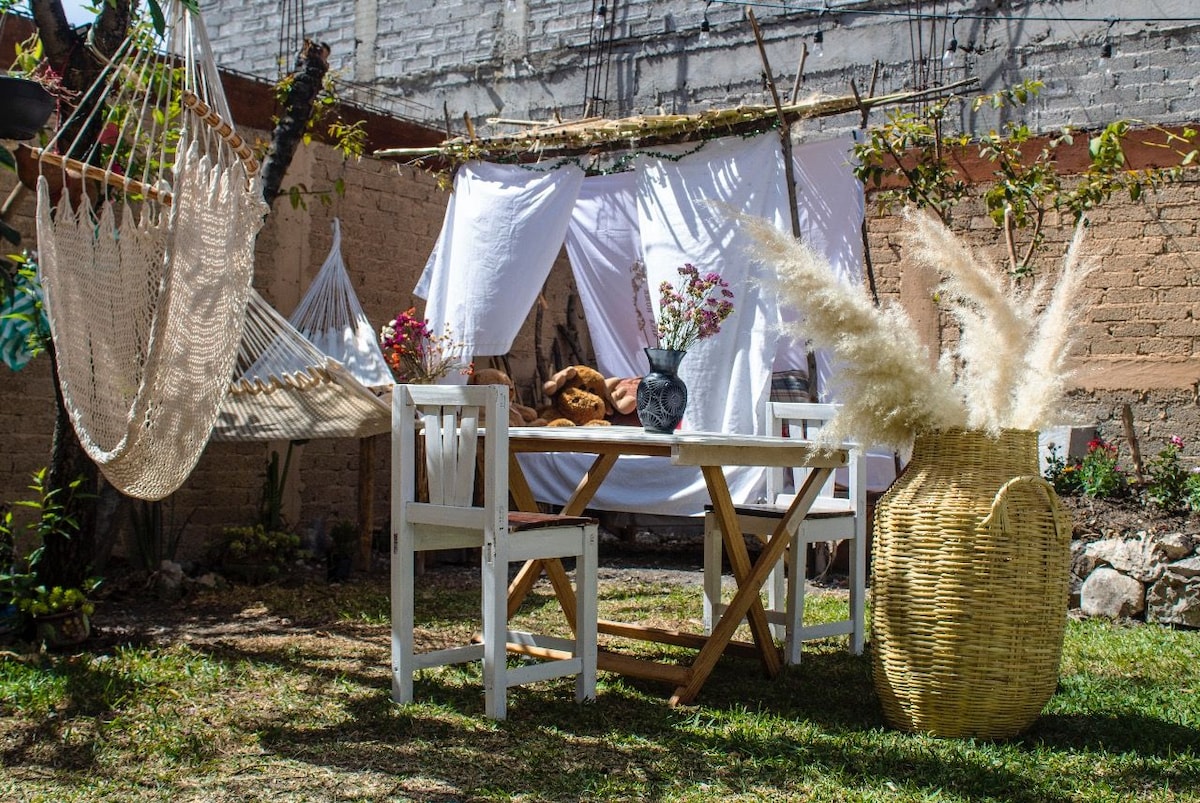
(1155, 577)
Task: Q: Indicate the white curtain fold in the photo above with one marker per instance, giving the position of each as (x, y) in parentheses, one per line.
(503, 229)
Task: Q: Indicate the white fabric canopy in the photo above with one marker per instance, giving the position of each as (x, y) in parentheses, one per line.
(670, 210)
(685, 214)
(503, 229)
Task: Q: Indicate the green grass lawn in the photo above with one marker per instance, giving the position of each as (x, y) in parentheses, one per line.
(293, 703)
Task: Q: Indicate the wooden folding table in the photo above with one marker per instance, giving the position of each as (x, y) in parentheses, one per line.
(711, 452)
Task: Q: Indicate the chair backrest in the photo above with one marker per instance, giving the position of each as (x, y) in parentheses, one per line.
(451, 419)
(805, 420)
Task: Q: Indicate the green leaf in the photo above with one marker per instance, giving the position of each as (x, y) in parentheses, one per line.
(7, 159)
(156, 17)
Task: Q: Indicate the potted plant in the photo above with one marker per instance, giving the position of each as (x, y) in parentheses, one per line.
(60, 615)
(343, 545)
(970, 563)
(27, 92)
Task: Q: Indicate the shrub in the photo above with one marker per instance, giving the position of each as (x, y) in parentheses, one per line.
(1064, 475)
(1168, 478)
(1099, 475)
(256, 554)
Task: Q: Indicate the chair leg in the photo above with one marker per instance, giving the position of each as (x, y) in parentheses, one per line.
(494, 577)
(713, 553)
(797, 566)
(586, 616)
(858, 589)
(402, 592)
(777, 594)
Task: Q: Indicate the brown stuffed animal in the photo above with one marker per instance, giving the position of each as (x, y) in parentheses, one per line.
(578, 397)
(518, 414)
(622, 397)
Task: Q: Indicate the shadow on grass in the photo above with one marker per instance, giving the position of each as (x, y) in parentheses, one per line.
(816, 731)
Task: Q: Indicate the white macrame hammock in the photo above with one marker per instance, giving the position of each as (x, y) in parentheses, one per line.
(309, 376)
(147, 257)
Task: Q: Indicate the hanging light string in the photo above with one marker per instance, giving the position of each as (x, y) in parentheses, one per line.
(857, 9)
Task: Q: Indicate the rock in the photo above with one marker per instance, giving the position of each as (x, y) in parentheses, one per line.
(1136, 558)
(210, 580)
(168, 580)
(1172, 546)
(1108, 592)
(1083, 560)
(1175, 598)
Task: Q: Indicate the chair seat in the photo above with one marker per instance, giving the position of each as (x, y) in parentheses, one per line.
(520, 521)
(821, 509)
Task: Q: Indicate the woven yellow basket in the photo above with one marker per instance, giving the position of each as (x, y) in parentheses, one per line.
(969, 584)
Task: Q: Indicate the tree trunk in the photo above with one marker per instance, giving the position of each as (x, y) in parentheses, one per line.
(311, 65)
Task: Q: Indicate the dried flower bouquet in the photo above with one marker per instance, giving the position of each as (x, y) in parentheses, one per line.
(1008, 369)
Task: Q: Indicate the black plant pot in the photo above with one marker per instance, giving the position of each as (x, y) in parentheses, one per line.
(25, 106)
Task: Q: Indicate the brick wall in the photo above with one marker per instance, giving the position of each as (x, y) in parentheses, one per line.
(390, 218)
(1138, 340)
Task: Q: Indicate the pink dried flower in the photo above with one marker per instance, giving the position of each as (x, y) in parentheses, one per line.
(694, 313)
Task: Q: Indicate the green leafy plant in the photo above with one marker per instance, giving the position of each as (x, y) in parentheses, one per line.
(1169, 483)
(20, 582)
(270, 506)
(1063, 474)
(910, 159)
(256, 554)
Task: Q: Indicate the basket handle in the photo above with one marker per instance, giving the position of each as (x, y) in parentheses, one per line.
(1004, 502)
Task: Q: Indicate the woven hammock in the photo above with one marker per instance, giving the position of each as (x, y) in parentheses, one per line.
(288, 389)
(148, 208)
(331, 318)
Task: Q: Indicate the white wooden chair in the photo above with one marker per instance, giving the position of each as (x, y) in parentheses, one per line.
(832, 518)
(453, 419)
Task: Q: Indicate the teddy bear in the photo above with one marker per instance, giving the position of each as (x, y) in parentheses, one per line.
(518, 414)
(578, 397)
(622, 397)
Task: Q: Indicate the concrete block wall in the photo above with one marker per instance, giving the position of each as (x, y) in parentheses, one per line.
(525, 59)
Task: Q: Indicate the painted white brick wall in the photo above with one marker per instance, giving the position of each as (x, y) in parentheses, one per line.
(525, 58)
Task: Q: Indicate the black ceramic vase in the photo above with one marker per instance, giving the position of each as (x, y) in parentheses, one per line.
(662, 395)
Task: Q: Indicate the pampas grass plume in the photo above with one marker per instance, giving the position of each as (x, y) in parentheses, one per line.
(1011, 363)
(994, 322)
(889, 390)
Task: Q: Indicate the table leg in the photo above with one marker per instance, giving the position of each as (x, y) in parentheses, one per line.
(522, 495)
(739, 561)
(747, 594)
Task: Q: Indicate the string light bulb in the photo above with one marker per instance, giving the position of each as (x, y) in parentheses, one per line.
(601, 17)
(819, 43)
(1104, 64)
(705, 29)
(950, 57)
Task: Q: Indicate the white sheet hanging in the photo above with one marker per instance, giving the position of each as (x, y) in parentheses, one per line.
(685, 214)
(604, 245)
(503, 229)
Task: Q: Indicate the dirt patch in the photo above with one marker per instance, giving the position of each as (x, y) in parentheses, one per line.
(130, 613)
